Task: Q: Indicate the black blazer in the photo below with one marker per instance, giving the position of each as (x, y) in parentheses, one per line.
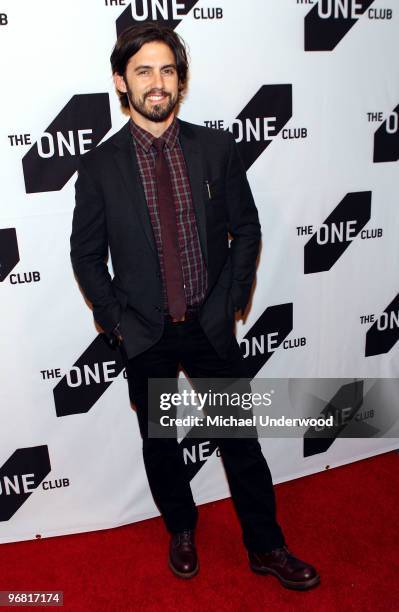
(111, 212)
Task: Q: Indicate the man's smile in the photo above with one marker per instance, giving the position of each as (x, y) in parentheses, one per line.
(157, 97)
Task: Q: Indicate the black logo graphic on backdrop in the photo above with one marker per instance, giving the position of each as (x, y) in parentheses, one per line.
(9, 258)
(329, 20)
(337, 232)
(89, 377)
(265, 336)
(360, 409)
(251, 128)
(262, 119)
(169, 13)
(9, 253)
(384, 333)
(386, 139)
(80, 126)
(20, 475)
(343, 406)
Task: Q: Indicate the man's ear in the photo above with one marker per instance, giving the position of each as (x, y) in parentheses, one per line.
(119, 82)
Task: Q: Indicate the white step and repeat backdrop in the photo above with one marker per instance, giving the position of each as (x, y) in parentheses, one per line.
(311, 93)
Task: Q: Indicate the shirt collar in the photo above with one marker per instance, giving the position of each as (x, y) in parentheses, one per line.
(144, 139)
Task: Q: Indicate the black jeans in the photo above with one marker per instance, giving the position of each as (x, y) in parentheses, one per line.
(246, 469)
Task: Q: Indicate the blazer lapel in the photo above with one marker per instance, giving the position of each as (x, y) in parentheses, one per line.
(126, 160)
(192, 155)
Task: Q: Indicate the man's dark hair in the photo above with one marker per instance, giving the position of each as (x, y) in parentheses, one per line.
(132, 39)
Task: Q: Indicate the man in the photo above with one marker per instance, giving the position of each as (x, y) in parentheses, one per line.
(164, 196)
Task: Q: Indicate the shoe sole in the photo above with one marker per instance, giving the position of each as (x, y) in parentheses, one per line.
(183, 574)
(289, 584)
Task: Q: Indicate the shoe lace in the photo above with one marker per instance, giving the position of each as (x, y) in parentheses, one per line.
(283, 553)
(186, 537)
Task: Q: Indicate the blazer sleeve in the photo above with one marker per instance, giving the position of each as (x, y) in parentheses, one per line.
(89, 250)
(243, 226)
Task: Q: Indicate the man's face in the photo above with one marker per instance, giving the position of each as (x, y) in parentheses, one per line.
(151, 81)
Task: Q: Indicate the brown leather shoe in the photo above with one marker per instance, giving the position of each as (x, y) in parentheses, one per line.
(183, 560)
(291, 571)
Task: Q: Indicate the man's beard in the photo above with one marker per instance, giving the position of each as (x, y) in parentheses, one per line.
(158, 112)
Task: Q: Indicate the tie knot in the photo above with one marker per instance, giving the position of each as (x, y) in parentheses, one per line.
(159, 144)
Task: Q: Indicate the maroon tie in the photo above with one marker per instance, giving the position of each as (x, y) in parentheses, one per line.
(170, 244)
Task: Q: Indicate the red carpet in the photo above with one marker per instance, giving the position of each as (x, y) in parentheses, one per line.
(344, 521)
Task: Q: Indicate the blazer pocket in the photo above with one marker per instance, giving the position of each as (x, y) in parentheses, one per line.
(214, 189)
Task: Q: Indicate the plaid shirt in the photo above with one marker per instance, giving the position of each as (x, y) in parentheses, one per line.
(192, 263)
